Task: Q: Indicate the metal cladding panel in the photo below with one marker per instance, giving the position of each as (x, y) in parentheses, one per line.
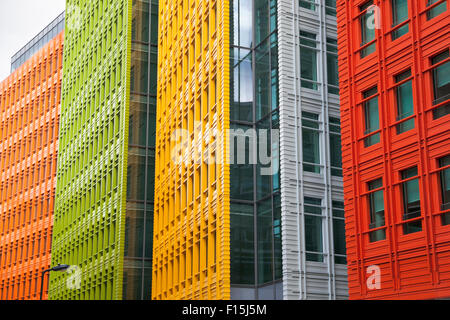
(29, 117)
(303, 279)
(191, 247)
(411, 265)
(90, 204)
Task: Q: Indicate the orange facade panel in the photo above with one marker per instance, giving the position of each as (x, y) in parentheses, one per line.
(396, 146)
(29, 117)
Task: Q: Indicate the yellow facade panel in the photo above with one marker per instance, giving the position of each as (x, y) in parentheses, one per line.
(191, 253)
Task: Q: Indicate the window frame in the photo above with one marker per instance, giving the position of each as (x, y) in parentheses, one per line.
(444, 208)
(321, 255)
(314, 128)
(368, 133)
(406, 178)
(432, 7)
(376, 233)
(401, 28)
(367, 47)
(305, 44)
(402, 120)
(441, 105)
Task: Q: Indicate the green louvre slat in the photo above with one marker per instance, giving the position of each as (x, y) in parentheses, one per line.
(89, 220)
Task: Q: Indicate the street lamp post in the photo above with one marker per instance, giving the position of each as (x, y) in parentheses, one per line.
(59, 267)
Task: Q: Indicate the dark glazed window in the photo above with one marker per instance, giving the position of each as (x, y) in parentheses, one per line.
(399, 15)
(307, 4)
(256, 209)
(242, 86)
(441, 84)
(241, 169)
(140, 22)
(445, 188)
(367, 29)
(371, 117)
(376, 207)
(313, 229)
(405, 105)
(332, 66)
(411, 201)
(335, 147)
(330, 7)
(311, 146)
(265, 234)
(242, 23)
(437, 10)
(242, 244)
(308, 60)
(340, 249)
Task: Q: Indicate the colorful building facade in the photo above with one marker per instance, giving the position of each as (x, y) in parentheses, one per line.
(234, 72)
(104, 196)
(29, 118)
(234, 77)
(394, 77)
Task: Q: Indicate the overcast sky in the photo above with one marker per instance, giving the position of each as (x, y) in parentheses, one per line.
(20, 21)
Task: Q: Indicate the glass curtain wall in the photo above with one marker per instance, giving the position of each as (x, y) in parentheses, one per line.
(255, 197)
(141, 152)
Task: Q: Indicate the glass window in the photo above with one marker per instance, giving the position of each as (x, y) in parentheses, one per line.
(139, 69)
(399, 15)
(330, 7)
(242, 244)
(308, 60)
(307, 4)
(154, 24)
(134, 234)
(376, 207)
(371, 117)
(437, 10)
(274, 71)
(278, 253)
(263, 87)
(405, 106)
(411, 201)
(335, 147)
(153, 70)
(242, 23)
(132, 280)
(242, 86)
(339, 232)
(332, 66)
(136, 174)
(262, 27)
(241, 171)
(137, 121)
(276, 155)
(445, 188)
(367, 29)
(152, 123)
(313, 229)
(149, 233)
(263, 182)
(151, 176)
(265, 270)
(140, 23)
(441, 84)
(311, 150)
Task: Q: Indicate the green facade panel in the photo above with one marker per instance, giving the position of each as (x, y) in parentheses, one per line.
(91, 193)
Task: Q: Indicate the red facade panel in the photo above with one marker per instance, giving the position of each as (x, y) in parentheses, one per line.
(29, 117)
(397, 220)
